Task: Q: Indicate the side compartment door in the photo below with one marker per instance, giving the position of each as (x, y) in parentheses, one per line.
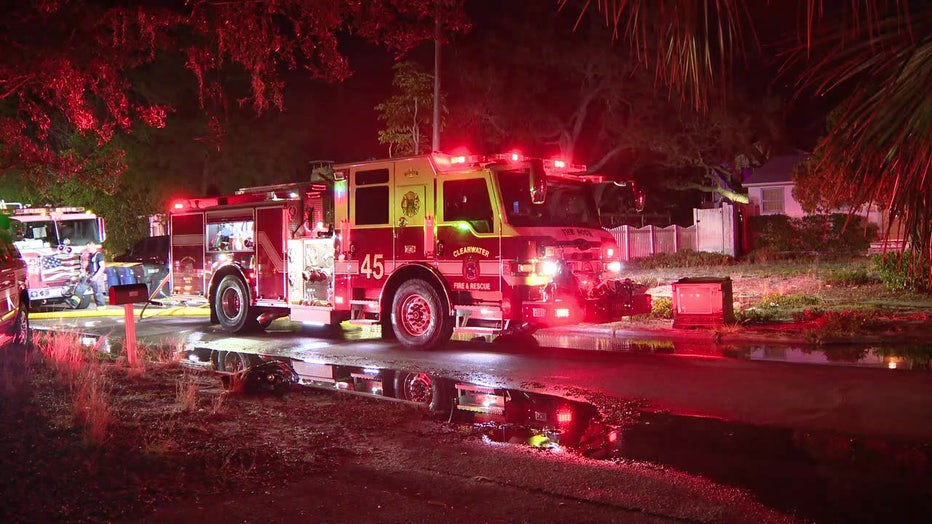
(187, 254)
(270, 253)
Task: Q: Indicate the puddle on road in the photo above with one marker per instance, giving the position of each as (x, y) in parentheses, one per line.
(910, 357)
(818, 476)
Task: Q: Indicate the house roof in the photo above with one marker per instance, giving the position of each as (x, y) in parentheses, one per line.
(777, 170)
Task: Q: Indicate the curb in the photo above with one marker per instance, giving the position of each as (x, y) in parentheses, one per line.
(117, 311)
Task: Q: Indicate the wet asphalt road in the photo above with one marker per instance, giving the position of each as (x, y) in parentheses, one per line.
(876, 402)
(827, 443)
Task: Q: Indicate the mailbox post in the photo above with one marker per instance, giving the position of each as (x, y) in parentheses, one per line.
(127, 295)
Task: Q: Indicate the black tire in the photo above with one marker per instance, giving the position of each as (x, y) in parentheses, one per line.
(20, 330)
(231, 305)
(419, 316)
(234, 363)
(423, 389)
(387, 331)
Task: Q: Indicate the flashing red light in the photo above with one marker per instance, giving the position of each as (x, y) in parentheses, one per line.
(178, 205)
(564, 416)
(613, 436)
(515, 157)
(559, 163)
(458, 159)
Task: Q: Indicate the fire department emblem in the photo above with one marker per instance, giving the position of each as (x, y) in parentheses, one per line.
(410, 203)
(470, 267)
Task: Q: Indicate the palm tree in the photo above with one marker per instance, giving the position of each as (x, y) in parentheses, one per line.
(873, 56)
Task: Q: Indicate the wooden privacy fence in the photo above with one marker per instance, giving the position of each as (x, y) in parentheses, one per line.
(640, 242)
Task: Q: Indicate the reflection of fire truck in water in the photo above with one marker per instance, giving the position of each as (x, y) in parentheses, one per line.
(422, 245)
(54, 242)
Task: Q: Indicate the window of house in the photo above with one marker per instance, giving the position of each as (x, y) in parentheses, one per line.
(468, 201)
(771, 200)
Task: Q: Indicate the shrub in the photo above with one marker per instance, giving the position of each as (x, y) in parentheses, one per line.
(833, 236)
(907, 271)
(755, 316)
(682, 258)
(849, 278)
(832, 325)
(661, 307)
(778, 301)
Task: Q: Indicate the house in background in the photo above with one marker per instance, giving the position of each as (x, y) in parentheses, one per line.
(770, 192)
(770, 186)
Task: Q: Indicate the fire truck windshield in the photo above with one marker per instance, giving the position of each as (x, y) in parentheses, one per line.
(78, 232)
(568, 203)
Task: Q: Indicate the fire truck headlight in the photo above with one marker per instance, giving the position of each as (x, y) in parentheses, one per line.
(548, 268)
(614, 266)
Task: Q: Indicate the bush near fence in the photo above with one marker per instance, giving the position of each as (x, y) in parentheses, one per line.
(830, 236)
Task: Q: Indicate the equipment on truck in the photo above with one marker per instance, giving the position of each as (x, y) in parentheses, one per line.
(55, 243)
(422, 245)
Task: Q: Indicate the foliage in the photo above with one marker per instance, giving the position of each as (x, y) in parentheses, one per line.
(661, 307)
(408, 111)
(779, 301)
(836, 235)
(76, 77)
(774, 307)
(874, 58)
(685, 258)
(756, 316)
(907, 271)
(849, 277)
(833, 325)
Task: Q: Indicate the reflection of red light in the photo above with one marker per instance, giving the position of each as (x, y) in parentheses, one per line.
(612, 436)
(564, 416)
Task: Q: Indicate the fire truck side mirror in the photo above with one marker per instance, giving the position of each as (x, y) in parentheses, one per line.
(538, 181)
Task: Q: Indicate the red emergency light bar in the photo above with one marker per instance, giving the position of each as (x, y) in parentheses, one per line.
(553, 166)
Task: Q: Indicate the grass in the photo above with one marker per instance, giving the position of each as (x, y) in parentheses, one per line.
(833, 298)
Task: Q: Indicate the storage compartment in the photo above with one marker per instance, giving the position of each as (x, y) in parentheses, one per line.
(702, 302)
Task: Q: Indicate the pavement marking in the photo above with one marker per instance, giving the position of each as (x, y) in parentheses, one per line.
(118, 311)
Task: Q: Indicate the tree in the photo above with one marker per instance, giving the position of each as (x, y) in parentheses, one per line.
(710, 151)
(65, 64)
(872, 57)
(408, 112)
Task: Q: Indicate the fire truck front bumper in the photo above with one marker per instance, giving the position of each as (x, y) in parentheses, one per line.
(611, 301)
(551, 314)
(49, 293)
(616, 299)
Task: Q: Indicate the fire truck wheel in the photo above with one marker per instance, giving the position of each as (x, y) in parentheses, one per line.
(231, 304)
(236, 364)
(422, 389)
(419, 317)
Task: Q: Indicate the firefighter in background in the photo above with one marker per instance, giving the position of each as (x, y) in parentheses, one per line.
(95, 268)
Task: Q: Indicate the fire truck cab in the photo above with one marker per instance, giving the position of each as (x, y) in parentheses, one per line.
(55, 242)
(423, 245)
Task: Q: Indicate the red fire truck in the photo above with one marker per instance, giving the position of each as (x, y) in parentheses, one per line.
(53, 242)
(423, 245)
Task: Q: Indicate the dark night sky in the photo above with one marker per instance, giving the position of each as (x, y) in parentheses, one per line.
(352, 125)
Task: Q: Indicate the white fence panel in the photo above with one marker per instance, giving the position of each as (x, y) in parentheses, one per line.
(641, 242)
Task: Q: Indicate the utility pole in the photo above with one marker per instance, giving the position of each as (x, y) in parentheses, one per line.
(435, 143)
